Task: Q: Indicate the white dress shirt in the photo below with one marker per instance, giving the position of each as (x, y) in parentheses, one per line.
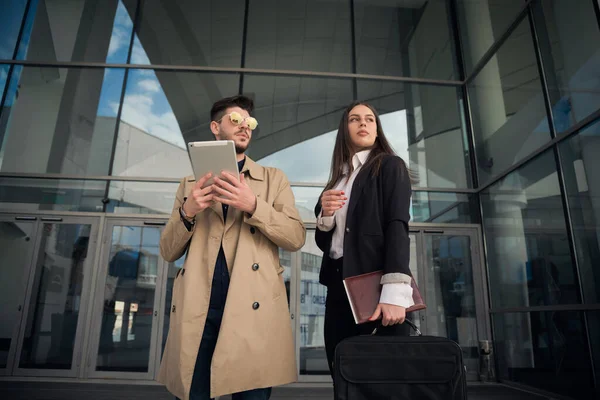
(398, 291)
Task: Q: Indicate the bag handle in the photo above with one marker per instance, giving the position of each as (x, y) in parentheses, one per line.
(413, 326)
(406, 321)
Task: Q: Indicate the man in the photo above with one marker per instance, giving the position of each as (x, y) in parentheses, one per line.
(230, 329)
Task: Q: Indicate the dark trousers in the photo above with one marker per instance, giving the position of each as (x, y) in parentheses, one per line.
(339, 322)
(200, 389)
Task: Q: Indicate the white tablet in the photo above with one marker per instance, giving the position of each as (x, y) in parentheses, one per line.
(213, 156)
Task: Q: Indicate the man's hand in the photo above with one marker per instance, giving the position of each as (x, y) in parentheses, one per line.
(200, 199)
(235, 193)
(392, 314)
(331, 201)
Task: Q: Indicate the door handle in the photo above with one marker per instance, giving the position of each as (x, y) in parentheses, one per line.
(434, 231)
(52, 219)
(155, 223)
(26, 218)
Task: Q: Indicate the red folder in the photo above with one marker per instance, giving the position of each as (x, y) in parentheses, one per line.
(364, 292)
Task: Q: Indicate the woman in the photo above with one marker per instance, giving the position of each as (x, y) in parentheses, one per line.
(362, 226)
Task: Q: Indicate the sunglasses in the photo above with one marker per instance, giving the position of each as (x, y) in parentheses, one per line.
(237, 119)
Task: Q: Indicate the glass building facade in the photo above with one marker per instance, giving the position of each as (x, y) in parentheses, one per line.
(494, 105)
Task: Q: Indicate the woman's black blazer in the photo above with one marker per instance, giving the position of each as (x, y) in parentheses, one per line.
(376, 224)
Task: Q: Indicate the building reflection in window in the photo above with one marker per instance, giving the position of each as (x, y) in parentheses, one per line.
(129, 296)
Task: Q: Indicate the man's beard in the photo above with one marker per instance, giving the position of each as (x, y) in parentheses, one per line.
(241, 148)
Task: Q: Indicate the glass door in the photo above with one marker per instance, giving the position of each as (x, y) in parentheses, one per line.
(453, 287)
(59, 282)
(17, 241)
(310, 312)
(129, 295)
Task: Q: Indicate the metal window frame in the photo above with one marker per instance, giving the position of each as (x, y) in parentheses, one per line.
(86, 300)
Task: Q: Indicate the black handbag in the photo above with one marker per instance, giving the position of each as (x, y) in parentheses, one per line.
(372, 367)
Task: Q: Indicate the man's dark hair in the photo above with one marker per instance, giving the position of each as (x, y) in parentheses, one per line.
(218, 109)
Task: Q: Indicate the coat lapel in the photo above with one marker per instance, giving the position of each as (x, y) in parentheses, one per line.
(218, 208)
(254, 175)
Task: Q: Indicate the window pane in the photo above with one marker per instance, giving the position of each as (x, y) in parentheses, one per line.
(311, 35)
(296, 117)
(163, 111)
(205, 33)
(404, 38)
(9, 81)
(306, 200)
(11, 18)
(94, 31)
(141, 197)
(26, 194)
(126, 334)
(529, 259)
(3, 76)
(62, 120)
(593, 320)
(572, 71)
(482, 23)
(313, 360)
(450, 208)
(17, 249)
(582, 178)
(434, 207)
(547, 350)
(507, 104)
(424, 126)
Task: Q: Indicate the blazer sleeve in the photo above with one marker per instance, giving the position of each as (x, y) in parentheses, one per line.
(322, 238)
(175, 237)
(396, 190)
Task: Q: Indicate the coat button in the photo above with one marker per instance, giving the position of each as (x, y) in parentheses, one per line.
(347, 229)
(255, 267)
(255, 305)
(252, 230)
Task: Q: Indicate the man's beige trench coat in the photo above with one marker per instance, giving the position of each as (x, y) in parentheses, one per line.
(255, 348)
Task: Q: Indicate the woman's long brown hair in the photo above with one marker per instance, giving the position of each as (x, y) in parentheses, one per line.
(343, 151)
